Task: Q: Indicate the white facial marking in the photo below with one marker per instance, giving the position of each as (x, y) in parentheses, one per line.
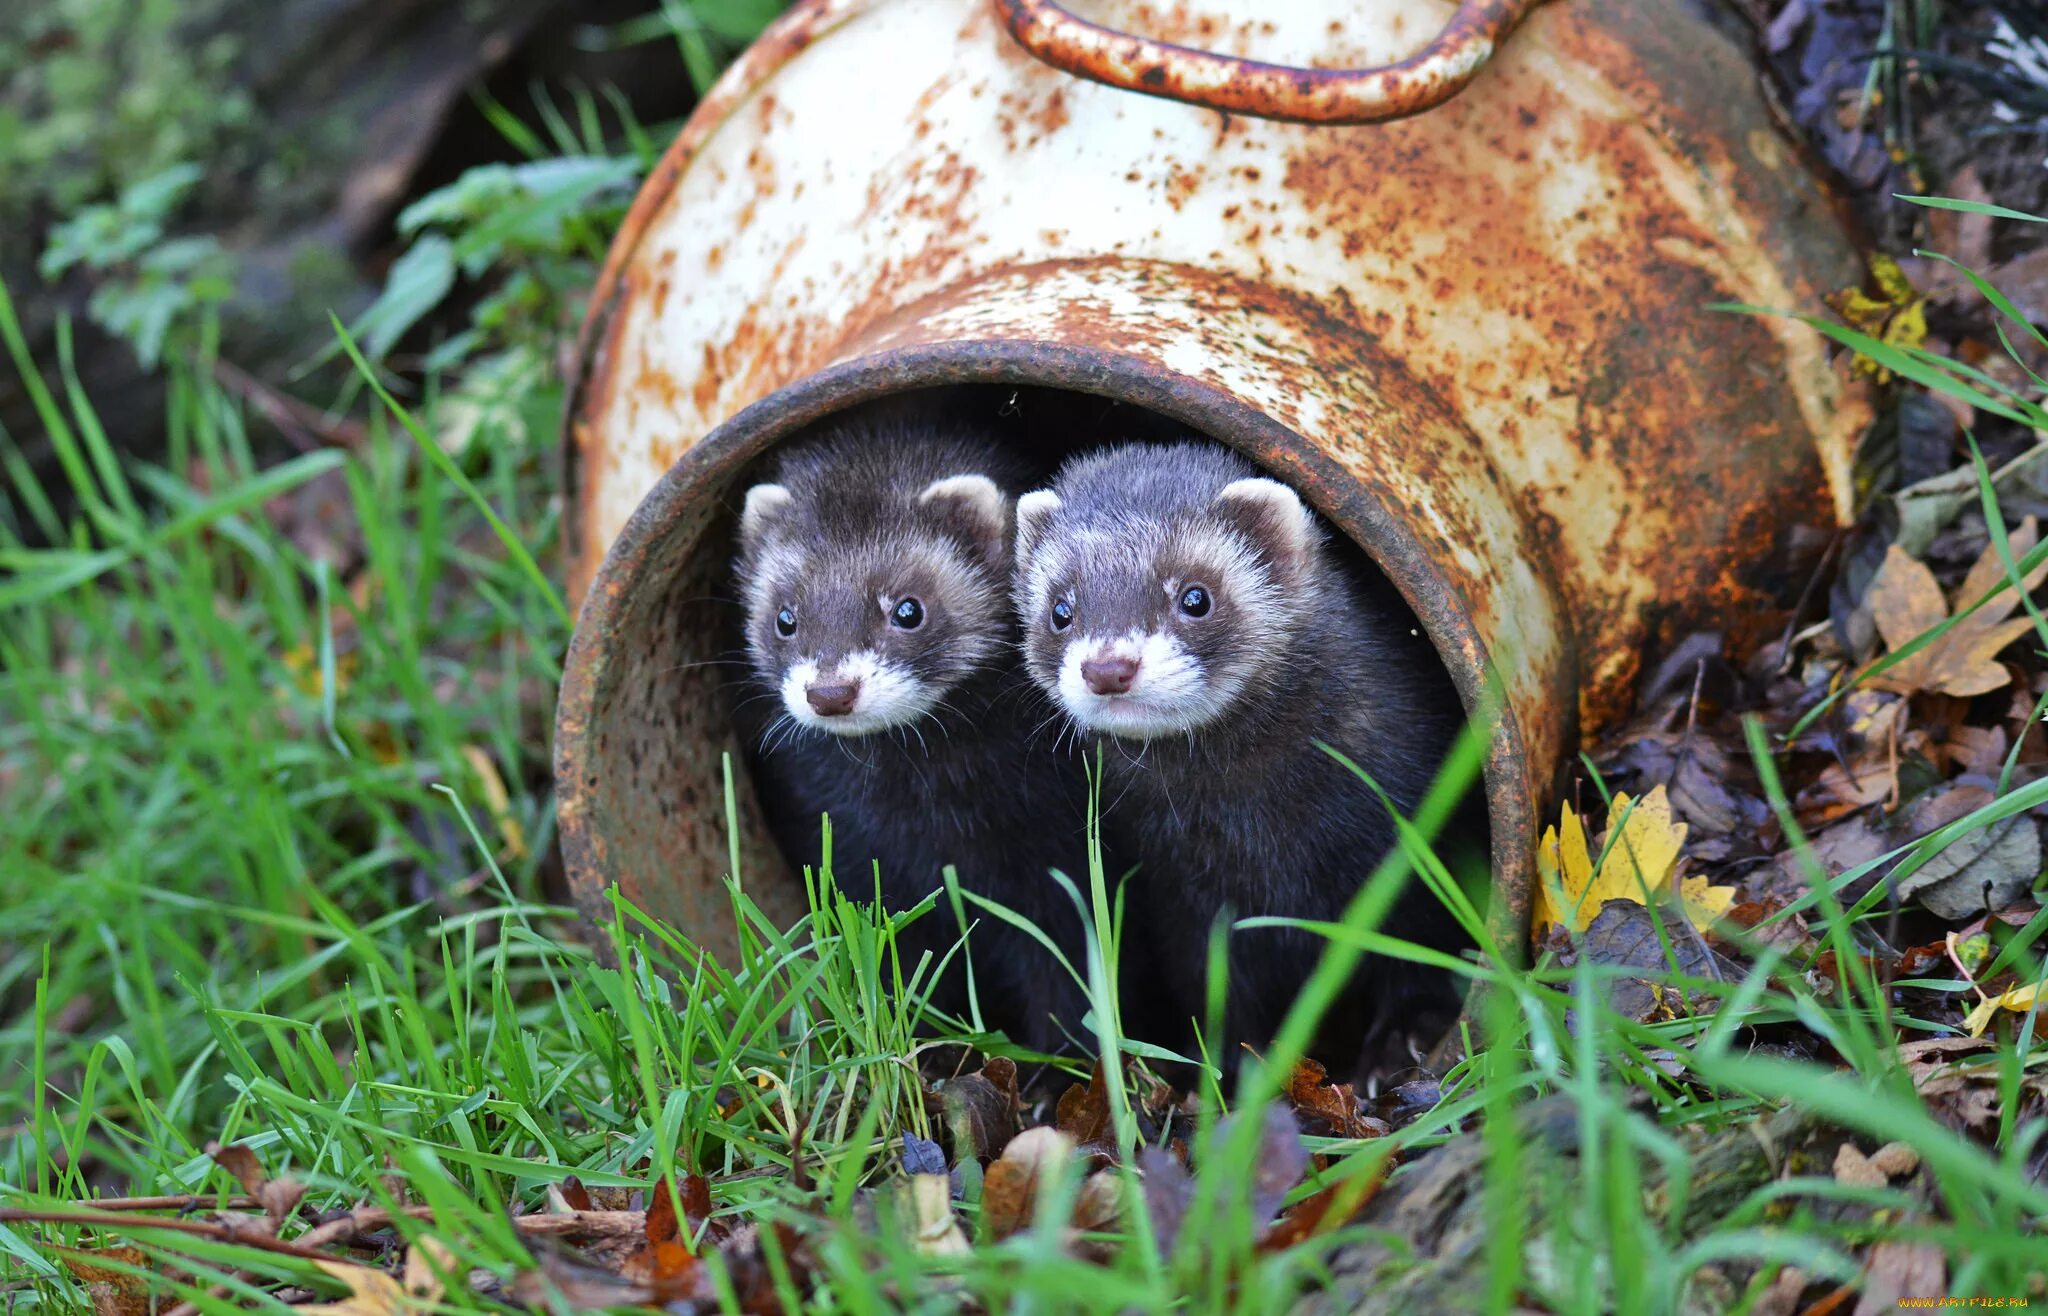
(777, 566)
(799, 678)
(890, 696)
(1035, 511)
(764, 503)
(1171, 693)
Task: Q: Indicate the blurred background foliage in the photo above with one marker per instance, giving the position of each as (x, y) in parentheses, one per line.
(440, 174)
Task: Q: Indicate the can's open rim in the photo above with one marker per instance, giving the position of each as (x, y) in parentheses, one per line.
(645, 556)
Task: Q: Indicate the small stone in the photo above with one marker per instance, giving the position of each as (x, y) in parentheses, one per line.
(1895, 1159)
(1852, 1167)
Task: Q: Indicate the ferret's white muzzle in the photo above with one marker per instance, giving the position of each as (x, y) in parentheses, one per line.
(885, 695)
(1169, 693)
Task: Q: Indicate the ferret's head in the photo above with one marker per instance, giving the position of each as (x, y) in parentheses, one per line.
(1155, 584)
(867, 606)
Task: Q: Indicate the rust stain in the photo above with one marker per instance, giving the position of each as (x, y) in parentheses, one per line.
(1475, 338)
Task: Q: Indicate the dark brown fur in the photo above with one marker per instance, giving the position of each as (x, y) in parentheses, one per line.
(967, 784)
(1242, 814)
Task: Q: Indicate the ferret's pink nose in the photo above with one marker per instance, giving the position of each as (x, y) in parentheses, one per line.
(1110, 676)
(832, 700)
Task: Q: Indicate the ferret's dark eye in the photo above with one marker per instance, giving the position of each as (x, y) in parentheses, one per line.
(785, 623)
(1062, 615)
(1194, 601)
(909, 615)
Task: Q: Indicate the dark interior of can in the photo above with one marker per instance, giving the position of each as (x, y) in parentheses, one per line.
(647, 733)
(1052, 425)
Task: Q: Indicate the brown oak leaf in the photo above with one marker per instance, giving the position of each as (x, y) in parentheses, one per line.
(1905, 602)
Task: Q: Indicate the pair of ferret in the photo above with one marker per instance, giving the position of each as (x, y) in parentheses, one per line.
(1176, 607)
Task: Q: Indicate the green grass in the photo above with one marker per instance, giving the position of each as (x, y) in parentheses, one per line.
(255, 886)
(253, 892)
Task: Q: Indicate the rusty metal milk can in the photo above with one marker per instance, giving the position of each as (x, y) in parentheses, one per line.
(1477, 337)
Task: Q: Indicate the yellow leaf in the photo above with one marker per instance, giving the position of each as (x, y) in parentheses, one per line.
(498, 800)
(1908, 328)
(371, 1292)
(1705, 904)
(303, 664)
(1563, 871)
(1638, 864)
(429, 1260)
(1640, 860)
(1896, 314)
(2019, 1000)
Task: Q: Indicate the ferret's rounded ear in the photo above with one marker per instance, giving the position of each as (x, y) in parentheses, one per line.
(765, 502)
(972, 507)
(1273, 516)
(1034, 513)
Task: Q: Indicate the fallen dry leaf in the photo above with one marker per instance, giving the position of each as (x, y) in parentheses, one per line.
(1283, 1160)
(498, 801)
(1906, 601)
(114, 1292)
(1896, 314)
(1332, 1208)
(1782, 1297)
(569, 1195)
(567, 1282)
(1335, 1105)
(1099, 1208)
(371, 1292)
(1705, 903)
(666, 1262)
(1637, 867)
(983, 1111)
(1896, 1270)
(1746, 926)
(1083, 1115)
(1625, 935)
(1980, 872)
(2019, 1000)
(240, 1163)
(1961, 1092)
(935, 1231)
(1871, 722)
(428, 1268)
(1977, 749)
(1009, 1187)
(279, 1197)
(1169, 1189)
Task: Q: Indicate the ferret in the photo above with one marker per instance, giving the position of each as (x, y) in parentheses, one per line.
(1189, 612)
(874, 569)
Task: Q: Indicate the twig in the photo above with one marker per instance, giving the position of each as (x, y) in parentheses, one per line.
(1820, 568)
(355, 1222)
(359, 1221)
(182, 1202)
(125, 1223)
(308, 1245)
(305, 426)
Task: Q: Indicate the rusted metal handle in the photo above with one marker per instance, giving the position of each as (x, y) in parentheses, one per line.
(1421, 82)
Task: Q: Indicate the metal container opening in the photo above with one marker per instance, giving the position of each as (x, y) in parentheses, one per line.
(1479, 339)
(647, 806)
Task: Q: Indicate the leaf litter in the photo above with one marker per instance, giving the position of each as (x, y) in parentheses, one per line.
(1888, 728)
(648, 1248)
